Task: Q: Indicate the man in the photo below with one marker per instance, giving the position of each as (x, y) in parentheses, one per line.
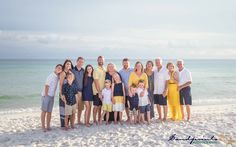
(185, 80)
(98, 85)
(125, 73)
(78, 71)
(161, 78)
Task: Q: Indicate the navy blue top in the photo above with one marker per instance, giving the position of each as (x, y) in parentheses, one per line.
(88, 90)
(118, 89)
(69, 91)
(134, 100)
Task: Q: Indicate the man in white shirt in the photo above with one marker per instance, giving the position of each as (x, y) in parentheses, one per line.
(48, 94)
(185, 80)
(161, 78)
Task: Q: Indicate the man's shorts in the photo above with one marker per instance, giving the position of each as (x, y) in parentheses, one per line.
(159, 99)
(80, 101)
(185, 96)
(47, 103)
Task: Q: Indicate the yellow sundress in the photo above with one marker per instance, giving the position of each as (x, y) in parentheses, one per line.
(174, 110)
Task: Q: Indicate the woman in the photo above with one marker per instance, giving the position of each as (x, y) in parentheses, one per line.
(88, 92)
(67, 66)
(150, 75)
(173, 93)
(135, 76)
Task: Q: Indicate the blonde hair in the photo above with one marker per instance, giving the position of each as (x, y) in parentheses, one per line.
(114, 66)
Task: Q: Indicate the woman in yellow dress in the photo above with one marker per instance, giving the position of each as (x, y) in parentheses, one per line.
(173, 94)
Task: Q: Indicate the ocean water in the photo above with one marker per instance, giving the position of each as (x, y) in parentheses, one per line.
(21, 81)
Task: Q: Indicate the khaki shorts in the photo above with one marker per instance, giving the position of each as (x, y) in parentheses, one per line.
(69, 110)
(80, 101)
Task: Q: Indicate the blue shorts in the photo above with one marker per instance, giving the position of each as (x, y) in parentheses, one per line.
(185, 96)
(144, 109)
(96, 100)
(47, 103)
(160, 100)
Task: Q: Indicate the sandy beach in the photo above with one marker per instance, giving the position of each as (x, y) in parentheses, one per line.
(21, 127)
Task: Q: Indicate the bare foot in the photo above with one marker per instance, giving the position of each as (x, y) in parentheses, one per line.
(66, 128)
(107, 123)
(115, 122)
(121, 122)
(87, 125)
(72, 127)
(80, 123)
(44, 129)
(49, 129)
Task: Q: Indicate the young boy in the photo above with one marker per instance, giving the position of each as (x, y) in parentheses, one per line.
(133, 101)
(69, 91)
(106, 101)
(144, 102)
(48, 96)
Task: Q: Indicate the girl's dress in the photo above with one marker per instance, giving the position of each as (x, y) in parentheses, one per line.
(119, 97)
(88, 90)
(173, 100)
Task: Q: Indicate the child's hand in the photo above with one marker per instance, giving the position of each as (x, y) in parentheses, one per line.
(142, 94)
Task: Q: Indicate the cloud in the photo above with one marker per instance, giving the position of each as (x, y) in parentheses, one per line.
(164, 42)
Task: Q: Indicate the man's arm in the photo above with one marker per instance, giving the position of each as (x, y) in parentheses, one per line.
(185, 85)
(46, 88)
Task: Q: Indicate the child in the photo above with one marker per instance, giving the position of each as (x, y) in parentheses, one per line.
(133, 101)
(118, 97)
(69, 91)
(106, 101)
(48, 96)
(88, 92)
(144, 102)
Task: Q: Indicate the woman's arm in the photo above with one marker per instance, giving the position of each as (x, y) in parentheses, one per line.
(62, 78)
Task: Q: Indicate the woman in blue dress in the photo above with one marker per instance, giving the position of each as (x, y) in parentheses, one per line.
(88, 92)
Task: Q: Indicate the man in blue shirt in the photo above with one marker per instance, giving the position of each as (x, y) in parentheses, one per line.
(78, 71)
(125, 73)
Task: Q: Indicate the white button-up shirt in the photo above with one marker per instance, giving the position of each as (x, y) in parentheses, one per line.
(184, 76)
(52, 82)
(160, 78)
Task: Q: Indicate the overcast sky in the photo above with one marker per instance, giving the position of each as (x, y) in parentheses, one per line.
(116, 29)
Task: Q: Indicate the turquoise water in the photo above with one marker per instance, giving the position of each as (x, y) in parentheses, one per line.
(214, 81)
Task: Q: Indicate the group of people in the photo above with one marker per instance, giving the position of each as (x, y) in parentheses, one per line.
(111, 92)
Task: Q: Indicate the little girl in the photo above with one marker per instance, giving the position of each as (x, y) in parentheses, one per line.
(144, 102)
(118, 97)
(106, 101)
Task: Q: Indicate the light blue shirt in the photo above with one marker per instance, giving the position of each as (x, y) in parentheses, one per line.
(125, 78)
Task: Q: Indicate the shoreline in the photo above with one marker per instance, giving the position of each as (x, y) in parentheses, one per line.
(22, 127)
